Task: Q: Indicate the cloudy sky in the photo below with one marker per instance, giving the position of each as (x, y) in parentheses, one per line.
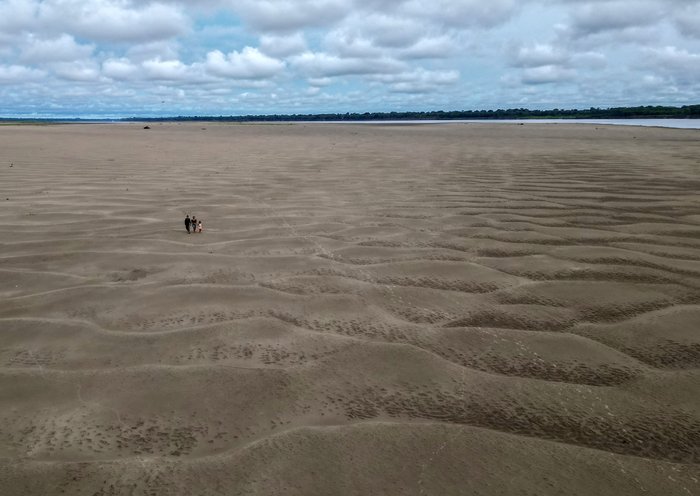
(110, 58)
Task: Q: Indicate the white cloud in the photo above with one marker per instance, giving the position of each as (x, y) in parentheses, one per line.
(539, 54)
(249, 63)
(323, 81)
(164, 50)
(120, 69)
(429, 48)
(61, 49)
(18, 74)
(168, 70)
(79, 71)
(547, 74)
(171, 70)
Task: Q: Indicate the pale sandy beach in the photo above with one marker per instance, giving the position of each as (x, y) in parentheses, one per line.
(463, 309)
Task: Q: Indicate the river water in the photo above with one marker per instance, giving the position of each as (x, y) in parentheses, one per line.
(671, 123)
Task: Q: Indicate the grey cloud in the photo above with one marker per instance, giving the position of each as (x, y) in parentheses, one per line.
(615, 21)
(611, 16)
(348, 45)
(289, 15)
(17, 15)
(682, 66)
(385, 36)
(96, 20)
(462, 13)
(418, 81)
(454, 13)
(389, 31)
(283, 46)
(688, 20)
(591, 60)
(393, 19)
(111, 21)
(541, 64)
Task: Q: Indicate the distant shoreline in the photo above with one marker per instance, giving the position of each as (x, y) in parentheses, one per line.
(662, 123)
(618, 113)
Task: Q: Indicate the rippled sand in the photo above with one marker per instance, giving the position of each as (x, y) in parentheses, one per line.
(446, 309)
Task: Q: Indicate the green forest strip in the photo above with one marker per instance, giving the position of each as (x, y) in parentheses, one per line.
(648, 112)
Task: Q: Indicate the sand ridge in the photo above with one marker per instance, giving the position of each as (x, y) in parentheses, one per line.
(371, 309)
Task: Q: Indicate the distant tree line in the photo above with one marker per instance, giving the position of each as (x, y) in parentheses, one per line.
(642, 112)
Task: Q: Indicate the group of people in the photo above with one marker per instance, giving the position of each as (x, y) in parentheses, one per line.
(193, 225)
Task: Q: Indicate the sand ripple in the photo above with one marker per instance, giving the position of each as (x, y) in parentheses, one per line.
(371, 310)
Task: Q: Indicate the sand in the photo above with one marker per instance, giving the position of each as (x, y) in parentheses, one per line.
(371, 309)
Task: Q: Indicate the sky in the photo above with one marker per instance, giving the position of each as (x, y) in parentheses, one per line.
(120, 58)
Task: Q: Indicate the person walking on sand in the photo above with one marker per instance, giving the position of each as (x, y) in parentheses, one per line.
(199, 226)
(188, 222)
(194, 224)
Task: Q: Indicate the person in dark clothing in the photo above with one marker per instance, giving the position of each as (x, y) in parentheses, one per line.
(188, 222)
(194, 224)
